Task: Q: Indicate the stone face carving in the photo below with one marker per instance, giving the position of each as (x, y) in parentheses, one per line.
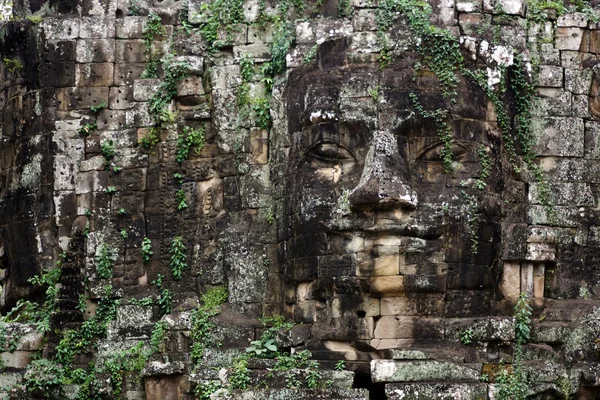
(348, 208)
(370, 216)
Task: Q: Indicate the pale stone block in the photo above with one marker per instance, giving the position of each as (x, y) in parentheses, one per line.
(387, 265)
(95, 50)
(540, 252)
(191, 86)
(260, 52)
(468, 6)
(422, 371)
(512, 7)
(575, 19)
(387, 285)
(568, 38)
(259, 146)
(382, 344)
(558, 136)
(17, 359)
(578, 81)
(61, 28)
(226, 77)
(527, 279)
(144, 89)
(538, 281)
(195, 64)
(550, 76)
(91, 181)
(97, 27)
(93, 164)
(511, 280)
(130, 27)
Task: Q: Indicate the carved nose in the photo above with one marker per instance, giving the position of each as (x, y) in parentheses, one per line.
(384, 182)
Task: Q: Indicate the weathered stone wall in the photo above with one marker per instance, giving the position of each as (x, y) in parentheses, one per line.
(348, 190)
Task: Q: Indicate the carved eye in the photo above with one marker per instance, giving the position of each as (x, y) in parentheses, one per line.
(330, 153)
(434, 153)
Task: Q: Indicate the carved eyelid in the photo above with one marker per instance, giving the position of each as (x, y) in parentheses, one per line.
(433, 152)
(330, 151)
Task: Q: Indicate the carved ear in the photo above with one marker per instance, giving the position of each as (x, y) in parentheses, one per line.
(333, 54)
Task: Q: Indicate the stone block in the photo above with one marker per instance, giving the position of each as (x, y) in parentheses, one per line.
(305, 33)
(126, 74)
(594, 41)
(565, 194)
(578, 81)
(263, 34)
(191, 86)
(399, 327)
(226, 77)
(422, 371)
(555, 102)
(81, 97)
(96, 27)
(574, 19)
(550, 76)
(468, 6)
(387, 285)
(512, 7)
(95, 74)
(95, 50)
(581, 106)
(60, 28)
(260, 52)
(470, 22)
(567, 217)
(57, 74)
(259, 146)
(93, 181)
(130, 27)
(144, 89)
(440, 391)
(120, 98)
(562, 137)
(17, 359)
(59, 50)
(568, 38)
(130, 51)
(540, 252)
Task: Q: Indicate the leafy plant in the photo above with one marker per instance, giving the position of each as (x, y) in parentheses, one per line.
(466, 336)
(340, 365)
(178, 257)
(98, 108)
(158, 335)
(143, 302)
(12, 64)
(262, 114)
(165, 297)
(189, 139)
(486, 167)
(152, 138)
(310, 55)
(121, 211)
(110, 190)
(146, 250)
(124, 234)
(105, 261)
(262, 348)
(240, 376)
(181, 200)
(88, 128)
(202, 325)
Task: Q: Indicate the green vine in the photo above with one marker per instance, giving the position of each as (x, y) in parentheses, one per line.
(178, 257)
